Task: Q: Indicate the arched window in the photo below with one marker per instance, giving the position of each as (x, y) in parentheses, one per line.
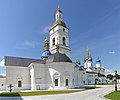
(64, 41)
(66, 83)
(63, 29)
(53, 41)
(60, 16)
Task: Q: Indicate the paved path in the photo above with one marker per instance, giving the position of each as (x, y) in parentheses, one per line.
(95, 94)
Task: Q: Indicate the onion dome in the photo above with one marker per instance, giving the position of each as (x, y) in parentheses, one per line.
(98, 60)
(46, 54)
(98, 63)
(78, 62)
(86, 60)
(90, 59)
(58, 57)
(87, 56)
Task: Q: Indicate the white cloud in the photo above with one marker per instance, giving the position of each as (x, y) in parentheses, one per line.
(112, 52)
(2, 63)
(45, 29)
(32, 44)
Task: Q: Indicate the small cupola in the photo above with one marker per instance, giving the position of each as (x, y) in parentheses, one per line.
(98, 63)
(58, 13)
(46, 52)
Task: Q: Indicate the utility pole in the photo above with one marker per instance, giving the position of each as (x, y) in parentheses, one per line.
(115, 80)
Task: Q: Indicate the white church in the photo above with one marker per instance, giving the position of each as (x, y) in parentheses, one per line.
(55, 69)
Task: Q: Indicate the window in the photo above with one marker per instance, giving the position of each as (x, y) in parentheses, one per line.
(19, 83)
(64, 41)
(53, 30)
(2, 84)
(53, 41)
(56, 82)
(66, 82)
(84, 82)
(63, 29)
(60, 16)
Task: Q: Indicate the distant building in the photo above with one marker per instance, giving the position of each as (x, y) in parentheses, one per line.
(55, 70)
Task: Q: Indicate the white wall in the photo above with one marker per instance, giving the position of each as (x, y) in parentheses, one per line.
(89, 78)
(45, 74)
(15, 74)
(2, 84)
(58, 34)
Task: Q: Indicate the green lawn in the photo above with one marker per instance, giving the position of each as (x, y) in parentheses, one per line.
(47, 92)
(114, 95)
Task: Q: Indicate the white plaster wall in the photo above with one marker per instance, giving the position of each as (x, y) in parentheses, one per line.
(42, 78)
(63, 68)
(98, 65)
(15, 73)
(85, 77)
(90, 78)
(102, 80)
(44, 75)
(58, 34)
(2, 84)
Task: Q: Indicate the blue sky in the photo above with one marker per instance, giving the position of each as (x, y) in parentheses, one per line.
(93, 24)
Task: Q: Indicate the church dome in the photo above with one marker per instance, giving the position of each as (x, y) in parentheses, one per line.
(58, 57)
(46, 54)
(59, 22)
(86, 60)
(98, 61)
(90, 59)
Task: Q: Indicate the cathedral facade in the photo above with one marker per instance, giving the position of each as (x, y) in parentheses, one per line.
(55, 69)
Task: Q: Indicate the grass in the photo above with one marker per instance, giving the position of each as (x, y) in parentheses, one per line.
(44, 92)
(8, 94)
(113, 96)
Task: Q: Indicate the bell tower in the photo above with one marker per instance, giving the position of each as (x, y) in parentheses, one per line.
(59, 34)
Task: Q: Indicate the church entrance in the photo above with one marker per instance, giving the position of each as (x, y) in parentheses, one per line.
(56, 82)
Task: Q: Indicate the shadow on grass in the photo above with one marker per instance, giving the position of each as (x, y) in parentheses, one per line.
(10, 96)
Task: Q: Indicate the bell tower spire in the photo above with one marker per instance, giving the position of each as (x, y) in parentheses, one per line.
(59, 35)
(58, 13)
(87, 56)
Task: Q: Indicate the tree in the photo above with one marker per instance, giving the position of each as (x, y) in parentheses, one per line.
(2, 76)
(110, 76)
(117, 76)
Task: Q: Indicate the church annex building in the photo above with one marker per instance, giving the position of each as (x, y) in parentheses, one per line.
(55, 70)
